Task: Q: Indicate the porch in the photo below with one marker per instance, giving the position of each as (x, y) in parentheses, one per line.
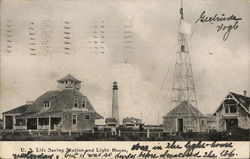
(14, 122)
(47, 123)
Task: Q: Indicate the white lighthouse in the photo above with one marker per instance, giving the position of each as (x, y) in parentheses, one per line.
(115, 107)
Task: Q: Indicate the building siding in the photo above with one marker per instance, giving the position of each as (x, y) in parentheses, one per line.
(170, 125)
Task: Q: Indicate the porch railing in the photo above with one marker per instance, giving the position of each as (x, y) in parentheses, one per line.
(43, 127)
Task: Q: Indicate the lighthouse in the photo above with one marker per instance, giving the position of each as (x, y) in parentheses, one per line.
(115, 107)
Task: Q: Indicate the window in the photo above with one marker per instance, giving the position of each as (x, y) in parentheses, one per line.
(87, 116)
(74, 119)
(84, 104)
(232, 109)
(46, 104)
(20, 122)
(43, 121)
(226, 109)
(202, 122)
(183, 48)
(75, 103)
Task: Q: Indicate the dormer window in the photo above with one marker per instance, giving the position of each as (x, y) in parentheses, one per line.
(83, 103)
(230, 109)
(46, 104)
(75, 103)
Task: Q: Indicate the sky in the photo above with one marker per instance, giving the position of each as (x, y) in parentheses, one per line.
(131, 42)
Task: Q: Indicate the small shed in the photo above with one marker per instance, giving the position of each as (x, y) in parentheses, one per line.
(184, 118)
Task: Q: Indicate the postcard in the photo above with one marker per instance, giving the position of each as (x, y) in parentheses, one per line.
(124, 79)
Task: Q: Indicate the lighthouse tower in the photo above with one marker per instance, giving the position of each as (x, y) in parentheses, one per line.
(115, 108)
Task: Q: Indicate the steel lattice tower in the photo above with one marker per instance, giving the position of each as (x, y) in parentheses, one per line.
(183, 84)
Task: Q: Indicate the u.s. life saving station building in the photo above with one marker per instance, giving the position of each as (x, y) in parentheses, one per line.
(64, 109)
(68, 110)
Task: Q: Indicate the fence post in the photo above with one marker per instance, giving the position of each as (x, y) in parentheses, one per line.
(69, 132)
(93, 131)
(147, 133)
(81, 133)
(12, 131)
(159, 134)
(49, 132)
(39, 134)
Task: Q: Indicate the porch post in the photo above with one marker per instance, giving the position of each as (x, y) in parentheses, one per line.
(26, 125)
(119, 132)
(3, 121)
(49, 125)
(217, 121)
(225, 125)
(14, 121)
(198, 124)
(37, 123)
(148, 133)
(176, 125)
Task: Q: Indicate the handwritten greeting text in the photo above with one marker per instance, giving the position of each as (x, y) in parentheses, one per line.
(193, 149)
(221, 20)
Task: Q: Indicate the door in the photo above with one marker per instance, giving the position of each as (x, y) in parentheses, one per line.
(180, 125)
(231, 123)
(8, 122)
(32, 123)
(55, 122)
(74, 122)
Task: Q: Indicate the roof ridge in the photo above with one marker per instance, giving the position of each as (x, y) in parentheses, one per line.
(239, 95)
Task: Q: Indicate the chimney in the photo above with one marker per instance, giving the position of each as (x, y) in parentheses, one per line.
(115, 108)
(245, 93)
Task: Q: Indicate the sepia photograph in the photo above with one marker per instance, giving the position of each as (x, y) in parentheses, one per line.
(116, 70)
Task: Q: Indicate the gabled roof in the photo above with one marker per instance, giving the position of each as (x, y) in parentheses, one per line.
(244, 101)
(59, 102)
(18, 110)
(47, 114)
(69, 77)
(184, 110)
(98, 116)
(38, 103)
